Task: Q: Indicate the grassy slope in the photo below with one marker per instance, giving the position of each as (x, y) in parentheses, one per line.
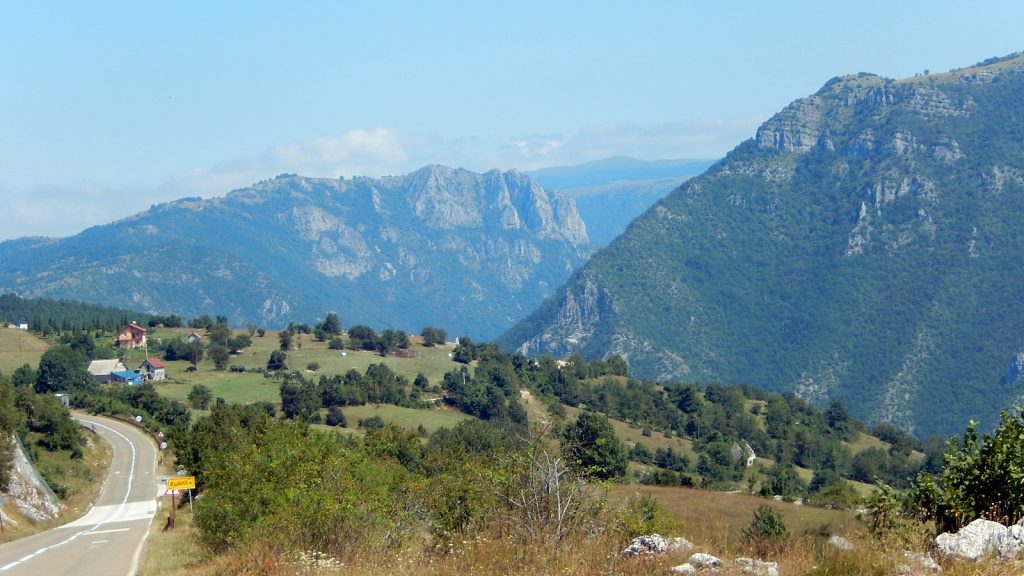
(19, 347)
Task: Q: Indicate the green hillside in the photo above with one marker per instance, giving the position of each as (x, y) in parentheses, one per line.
(862, 247)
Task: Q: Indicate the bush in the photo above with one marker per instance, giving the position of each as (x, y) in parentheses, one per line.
(767, 531)
(335, 417)
(313, 366)
(642, 515)
(371, 423)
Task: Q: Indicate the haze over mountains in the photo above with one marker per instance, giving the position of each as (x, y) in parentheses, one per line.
(865, 246)
(610, 193)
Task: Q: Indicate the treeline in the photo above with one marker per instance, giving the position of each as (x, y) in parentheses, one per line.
(49, 316)
(721, 421)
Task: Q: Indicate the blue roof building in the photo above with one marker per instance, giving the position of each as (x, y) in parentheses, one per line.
(128, 377)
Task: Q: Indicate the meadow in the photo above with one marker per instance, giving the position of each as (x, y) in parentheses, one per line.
(18, 347)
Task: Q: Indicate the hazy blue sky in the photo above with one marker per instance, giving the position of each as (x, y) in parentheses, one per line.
(107, 108)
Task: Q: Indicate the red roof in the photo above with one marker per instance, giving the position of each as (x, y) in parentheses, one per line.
(155, 362)
(135, 327)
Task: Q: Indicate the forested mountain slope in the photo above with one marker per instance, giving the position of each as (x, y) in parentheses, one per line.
(865, 246)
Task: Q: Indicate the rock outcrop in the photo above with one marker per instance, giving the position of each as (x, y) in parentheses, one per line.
(982, 538)
(28, 491)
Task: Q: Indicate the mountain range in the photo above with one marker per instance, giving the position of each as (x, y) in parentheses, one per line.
(442, 247)
(865, 246)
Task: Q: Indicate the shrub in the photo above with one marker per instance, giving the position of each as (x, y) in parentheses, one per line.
(642, 515)
(335, 417)
(980, 480)
(371, 423)
(767, 531)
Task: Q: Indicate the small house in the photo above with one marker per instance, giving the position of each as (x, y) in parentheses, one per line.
(131, 336)
(193, 338)
(128, 377)
(152, 369)
(102, 369)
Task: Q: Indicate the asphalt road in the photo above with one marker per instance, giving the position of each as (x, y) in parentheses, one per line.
(108, 539)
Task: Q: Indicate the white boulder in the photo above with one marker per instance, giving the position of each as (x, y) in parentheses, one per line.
(840, 542)
(643, 545)
(980, 538)
(757, 567)
(702, 560)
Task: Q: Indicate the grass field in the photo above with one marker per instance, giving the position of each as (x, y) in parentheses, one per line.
(19, 347)
(248, 387)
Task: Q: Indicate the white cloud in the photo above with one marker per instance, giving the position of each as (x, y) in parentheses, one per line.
(699, 138)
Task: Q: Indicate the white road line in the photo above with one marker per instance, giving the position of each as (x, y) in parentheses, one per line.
(100, 541)
(74, 536)
(108, 531)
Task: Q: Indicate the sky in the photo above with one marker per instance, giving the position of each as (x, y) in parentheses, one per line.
(107, 108)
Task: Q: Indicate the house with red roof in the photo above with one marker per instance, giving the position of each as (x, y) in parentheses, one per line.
(131, 336)
(152, 369)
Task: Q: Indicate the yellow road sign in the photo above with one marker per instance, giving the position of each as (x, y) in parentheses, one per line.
(181, 483)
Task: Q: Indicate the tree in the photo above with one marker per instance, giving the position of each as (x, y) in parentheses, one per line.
(285, 337)
(300, 400)
(220, 355)
(593, 448)
(838, 418)
(330, 326)
(432, 336)
(200, 396)
(277, 361)
(62, 369)
(335, 417)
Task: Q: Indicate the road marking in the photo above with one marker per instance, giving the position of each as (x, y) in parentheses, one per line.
(74, 536)
(100, 541)
(108, 531)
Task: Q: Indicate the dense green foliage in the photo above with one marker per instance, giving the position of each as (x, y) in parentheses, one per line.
(39, 420)
(982, 478)
(318, 491)
(861, 249)
(592, 447)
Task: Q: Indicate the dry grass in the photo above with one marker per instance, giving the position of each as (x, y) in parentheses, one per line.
(171, 551)
(713, 521)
